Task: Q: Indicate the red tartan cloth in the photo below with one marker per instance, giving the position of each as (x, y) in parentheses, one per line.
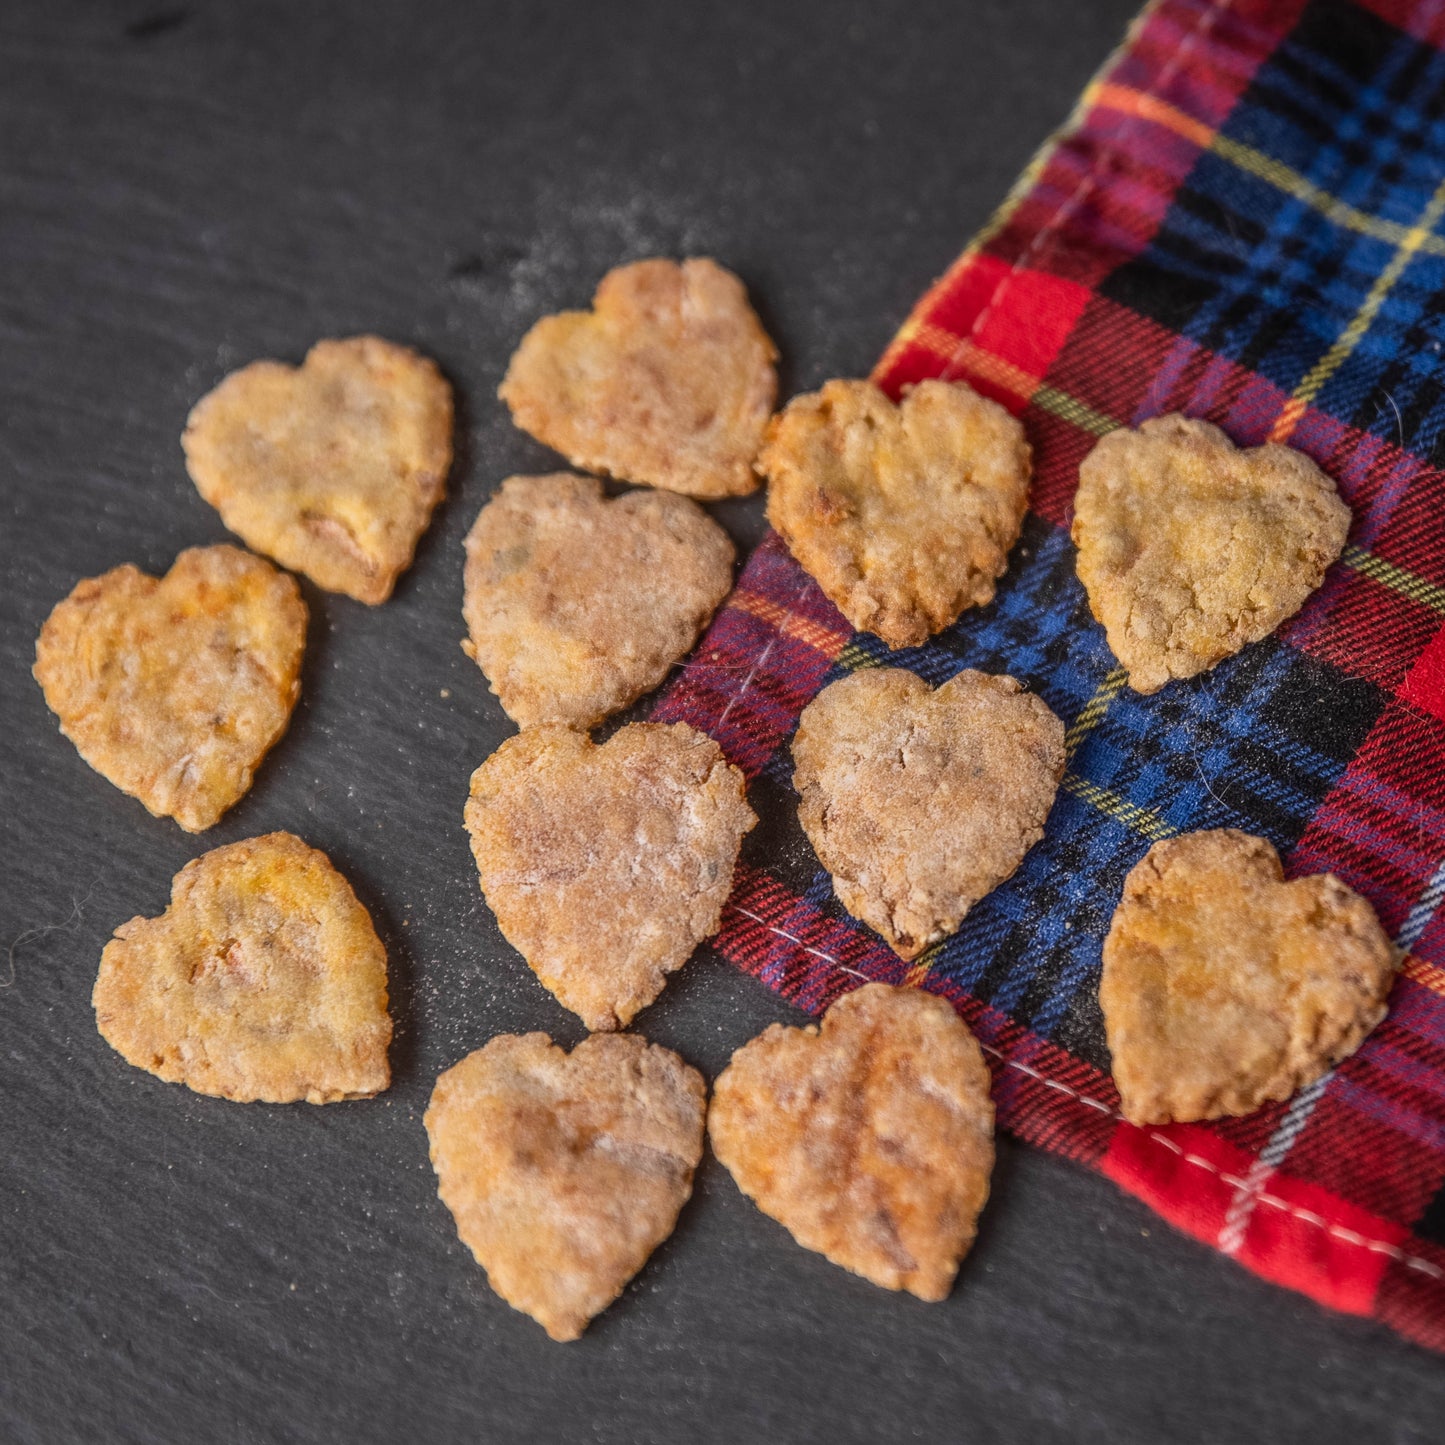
(1241, 221)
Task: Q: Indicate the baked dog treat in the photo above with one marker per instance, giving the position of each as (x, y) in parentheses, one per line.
(264, 981)
(607, 865)
(920, 801)
(1190, 548)
(565, 1171)
(904, 515)
(1226, 987)
(174, 688)
(868, 1137)
(332, 468)
(668, 380)
(578, 605)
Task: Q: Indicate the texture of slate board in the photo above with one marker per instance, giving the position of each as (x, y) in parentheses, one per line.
(183, 189)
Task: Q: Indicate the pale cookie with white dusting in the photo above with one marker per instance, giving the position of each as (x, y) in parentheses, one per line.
(332, 468)
(577, 604)
(1191, 548)
(174, 688)
(1226, 987)
(565, 1171)
(919, 801)
(667, 380)
(868, 1137)
(904, 515)
(263, 980)
(606, 865)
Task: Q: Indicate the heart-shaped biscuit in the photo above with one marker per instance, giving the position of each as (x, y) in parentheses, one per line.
(332, 468)
(607, 865)
(1190, 548)
(578, 605)
(869, 1138)
(263, 981)
(920, 801)
(668, 380)
(175, 688)
(1226, 987)
(564, 1172)
(904, 515)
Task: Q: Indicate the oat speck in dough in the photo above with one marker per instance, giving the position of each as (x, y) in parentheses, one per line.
(565, 1171)
(1190, 548)
(919, 801)
(263, 981)
(869, 1137)
(332, 468)
(576, 605)
(174, 688)
(606, 865)
(904, 515)
(1226, 987)
(668, 380)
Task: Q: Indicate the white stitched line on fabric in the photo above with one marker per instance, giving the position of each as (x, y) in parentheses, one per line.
(1273, 1201)
(1289, 1128)
(763, 655)
(1208, 18)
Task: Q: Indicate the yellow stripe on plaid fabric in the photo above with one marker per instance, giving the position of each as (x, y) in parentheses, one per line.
(1144, 821)
(1417, 589)
(1092, 713)
(1132, 102)
(816, 635)
(1349, 338)
(1425, 974)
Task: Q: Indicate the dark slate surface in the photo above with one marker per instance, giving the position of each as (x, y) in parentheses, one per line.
(183, 189)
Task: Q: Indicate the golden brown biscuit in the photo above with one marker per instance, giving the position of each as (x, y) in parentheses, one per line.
(870, 1138)
(175, 688)
(332, 468)
(903, 515)
(1226, 987)
(564, 1172)
(1190, 548)
(607, 865)
(920, 801)
(578, 605)
(263, 981)
(668, 380)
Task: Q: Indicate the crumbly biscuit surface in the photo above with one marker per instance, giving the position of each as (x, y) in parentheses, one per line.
(1226, 987)
(263, 980)
(565, 1171)
(174, 688)
(870, 1137)
(919, 801)
(606, 865)
(332, 468)
(1190, 548)
(576, 605)
(904, 515)
(667, 380)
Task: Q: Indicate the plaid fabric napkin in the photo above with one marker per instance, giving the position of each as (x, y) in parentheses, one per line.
(1241, 221)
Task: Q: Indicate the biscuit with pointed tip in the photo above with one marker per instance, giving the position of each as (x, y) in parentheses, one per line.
(869, 1137)
(606, 865)
(333, 467)
(263, 981)
(904, 515)
(1226, 987)
(1190, 548)
(576, 605)
(174, 688)
(668, 380)
(565, 1171)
